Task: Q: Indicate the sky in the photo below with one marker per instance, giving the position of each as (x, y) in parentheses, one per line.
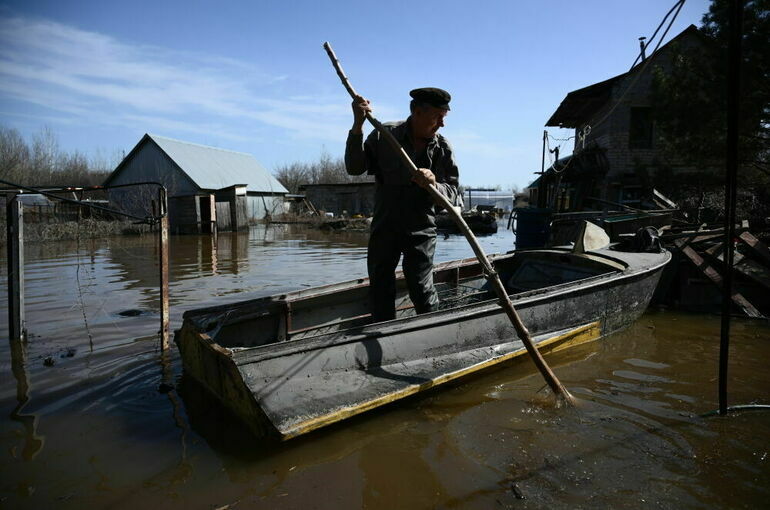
(252, 76)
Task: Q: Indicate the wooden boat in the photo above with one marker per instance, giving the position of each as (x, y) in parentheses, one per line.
(480, 222)
(295, 362)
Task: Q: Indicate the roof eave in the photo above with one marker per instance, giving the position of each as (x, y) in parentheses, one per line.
(566, 117)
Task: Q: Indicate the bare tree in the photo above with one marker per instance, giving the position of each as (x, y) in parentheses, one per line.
(45, 151)
(14, 155)
(292, 175)
(42, 162)
(325, 170)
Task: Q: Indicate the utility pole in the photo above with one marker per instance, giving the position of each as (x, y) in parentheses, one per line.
(541, 189)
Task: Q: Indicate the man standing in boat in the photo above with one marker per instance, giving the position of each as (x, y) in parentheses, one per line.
(404, 213)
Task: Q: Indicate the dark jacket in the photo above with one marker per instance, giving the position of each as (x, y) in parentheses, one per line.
(400, 203)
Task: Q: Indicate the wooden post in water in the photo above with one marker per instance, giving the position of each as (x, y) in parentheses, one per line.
(17, 327)
(163, 253)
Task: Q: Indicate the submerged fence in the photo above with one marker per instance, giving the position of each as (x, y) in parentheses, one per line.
(32, 207)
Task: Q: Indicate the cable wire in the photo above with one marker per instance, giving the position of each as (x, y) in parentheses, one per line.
(641, 68)
(652, 38)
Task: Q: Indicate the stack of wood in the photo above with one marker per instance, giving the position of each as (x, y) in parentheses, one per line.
(694, 278)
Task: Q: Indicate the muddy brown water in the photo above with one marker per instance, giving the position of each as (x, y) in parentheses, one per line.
(107, 422)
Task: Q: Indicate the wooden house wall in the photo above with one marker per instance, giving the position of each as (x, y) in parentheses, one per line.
(241, 213)
(184, 215)
(233, 216)
(224, 218)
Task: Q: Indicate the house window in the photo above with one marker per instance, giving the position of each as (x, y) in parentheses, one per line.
(640, 128)
(631, 195)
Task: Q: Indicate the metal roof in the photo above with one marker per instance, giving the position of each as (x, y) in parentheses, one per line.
(213, 168)
(579, 105)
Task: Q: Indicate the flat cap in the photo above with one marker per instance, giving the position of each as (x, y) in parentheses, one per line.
(437, 98)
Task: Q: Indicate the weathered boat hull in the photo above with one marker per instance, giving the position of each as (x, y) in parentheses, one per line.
(307, 377)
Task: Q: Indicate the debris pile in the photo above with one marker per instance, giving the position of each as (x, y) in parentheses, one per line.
(695, 276)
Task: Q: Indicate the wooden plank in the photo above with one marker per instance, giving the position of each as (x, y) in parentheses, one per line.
(700, 235)
(711, 237)
(657, 196)
(756, 245)
(716, 278)
(310, 206)
(212, 204)
(223, 216)
(717, 250)
(753, 270)
(17, 327)
(745, 266)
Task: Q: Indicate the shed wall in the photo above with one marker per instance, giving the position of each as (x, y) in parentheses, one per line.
(258, 206)
(150, 164)
(356, 199)
(184, 215)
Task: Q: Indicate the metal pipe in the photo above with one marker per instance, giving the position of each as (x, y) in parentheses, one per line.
(731, 173)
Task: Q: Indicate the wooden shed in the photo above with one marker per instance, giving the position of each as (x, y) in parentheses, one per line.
(342, 198)
(208, 188)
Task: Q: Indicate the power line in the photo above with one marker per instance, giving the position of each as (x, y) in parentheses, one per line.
(649, 41)
(148, 219)
(644, 65)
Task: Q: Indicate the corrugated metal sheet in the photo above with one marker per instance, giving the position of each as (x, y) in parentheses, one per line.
(213, 168)
(34, 200)
(259, 206)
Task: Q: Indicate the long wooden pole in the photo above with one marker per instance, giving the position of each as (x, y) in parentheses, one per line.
(489, 271)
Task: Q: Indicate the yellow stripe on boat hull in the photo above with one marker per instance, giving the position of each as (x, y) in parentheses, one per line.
(582, 334)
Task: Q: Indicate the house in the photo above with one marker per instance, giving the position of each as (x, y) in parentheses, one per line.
(616, 154)
(349, 198)
(208, 188)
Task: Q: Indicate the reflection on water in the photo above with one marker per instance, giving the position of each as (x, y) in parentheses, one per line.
(120, 426)
(32, 442)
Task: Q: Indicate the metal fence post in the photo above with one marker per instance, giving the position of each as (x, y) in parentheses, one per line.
(17, 327)
(163, 250)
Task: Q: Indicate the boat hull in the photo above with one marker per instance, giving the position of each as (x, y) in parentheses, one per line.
(295, 386)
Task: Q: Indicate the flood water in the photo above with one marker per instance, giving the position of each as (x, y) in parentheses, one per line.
(95, 417)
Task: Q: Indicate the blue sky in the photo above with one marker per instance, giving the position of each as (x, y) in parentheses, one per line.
(253, 77)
